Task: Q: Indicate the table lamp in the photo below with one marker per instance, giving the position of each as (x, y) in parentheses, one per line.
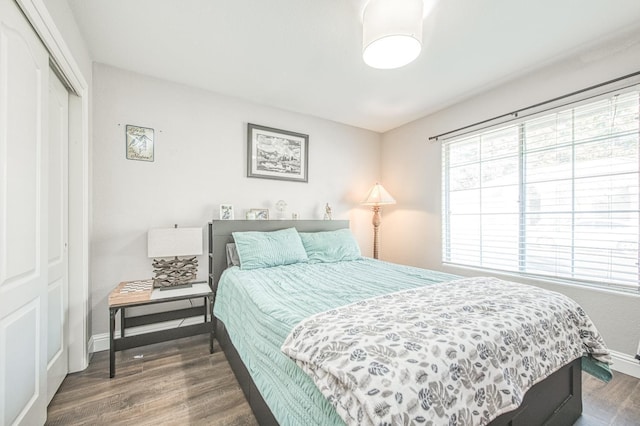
(166, 243)
(378, 196)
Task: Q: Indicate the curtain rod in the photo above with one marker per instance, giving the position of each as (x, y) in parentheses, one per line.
(539, 104)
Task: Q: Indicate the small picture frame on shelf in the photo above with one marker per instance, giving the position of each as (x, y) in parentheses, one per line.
(226, 212)
(260, 214)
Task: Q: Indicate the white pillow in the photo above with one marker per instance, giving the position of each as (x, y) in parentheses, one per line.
(232, 255)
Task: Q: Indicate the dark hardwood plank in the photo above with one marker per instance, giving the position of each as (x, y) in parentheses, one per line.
(613, 403)
(181, 383)
(170, 383)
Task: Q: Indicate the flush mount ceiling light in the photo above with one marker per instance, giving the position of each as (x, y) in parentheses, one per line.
(391, 32)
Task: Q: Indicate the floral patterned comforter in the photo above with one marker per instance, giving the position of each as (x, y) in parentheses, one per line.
(461, 352)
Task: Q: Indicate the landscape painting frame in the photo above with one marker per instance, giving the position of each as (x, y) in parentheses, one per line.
(277, 154)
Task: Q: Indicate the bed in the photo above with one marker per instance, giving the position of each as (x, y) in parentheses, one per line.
(257, 310)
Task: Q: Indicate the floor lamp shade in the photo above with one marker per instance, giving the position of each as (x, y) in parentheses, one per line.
(174, 242)
(377, 196)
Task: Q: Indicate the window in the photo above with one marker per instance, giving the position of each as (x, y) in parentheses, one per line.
(556, 195)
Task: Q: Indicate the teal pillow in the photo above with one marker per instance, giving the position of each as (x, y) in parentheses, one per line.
(267, 249)
(330, 246)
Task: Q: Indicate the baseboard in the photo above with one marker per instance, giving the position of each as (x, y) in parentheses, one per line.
(626, 364)
(100, 342)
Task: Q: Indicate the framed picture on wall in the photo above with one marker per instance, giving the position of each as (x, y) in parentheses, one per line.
(139, 143)
(277, 154)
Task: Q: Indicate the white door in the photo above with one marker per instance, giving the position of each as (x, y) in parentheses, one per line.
(58, 288)
(24, 75)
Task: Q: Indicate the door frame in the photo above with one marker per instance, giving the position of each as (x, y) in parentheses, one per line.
(79, 178)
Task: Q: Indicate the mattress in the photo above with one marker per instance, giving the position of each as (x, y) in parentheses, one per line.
(260, 307)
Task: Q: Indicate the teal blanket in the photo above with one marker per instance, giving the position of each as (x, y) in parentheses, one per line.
(260, 307)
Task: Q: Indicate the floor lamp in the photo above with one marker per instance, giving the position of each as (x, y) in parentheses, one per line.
(378, 196)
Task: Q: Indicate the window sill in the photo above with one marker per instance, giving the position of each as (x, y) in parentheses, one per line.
(537, 280)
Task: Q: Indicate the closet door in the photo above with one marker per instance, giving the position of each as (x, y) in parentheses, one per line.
(58, 215)
(24, 74)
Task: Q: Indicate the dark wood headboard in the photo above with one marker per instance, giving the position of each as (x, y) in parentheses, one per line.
(220, 233)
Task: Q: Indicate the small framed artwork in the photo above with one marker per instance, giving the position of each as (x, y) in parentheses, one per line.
(139, 143)
(226, 212)
(260, 214)
(277, 154)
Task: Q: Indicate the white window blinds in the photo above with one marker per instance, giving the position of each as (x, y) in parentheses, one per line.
(556, 195)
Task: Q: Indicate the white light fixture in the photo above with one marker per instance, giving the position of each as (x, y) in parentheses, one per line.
(377, 196)
(174, 242)
(391, 32)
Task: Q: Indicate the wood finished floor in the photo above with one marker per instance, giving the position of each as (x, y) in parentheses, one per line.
(180, 383)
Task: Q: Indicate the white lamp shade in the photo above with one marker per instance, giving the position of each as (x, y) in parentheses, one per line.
(378, 196)
(169, 242)
(391, 32)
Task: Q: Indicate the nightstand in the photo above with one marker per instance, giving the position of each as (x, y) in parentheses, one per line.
(139, 293)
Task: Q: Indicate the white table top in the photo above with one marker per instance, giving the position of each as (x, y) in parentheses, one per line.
(195, 290)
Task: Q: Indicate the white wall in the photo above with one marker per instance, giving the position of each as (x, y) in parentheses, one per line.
(411, 171)
(66, 24)
(200, 162)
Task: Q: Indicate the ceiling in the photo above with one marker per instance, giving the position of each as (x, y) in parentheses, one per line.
(305, 55)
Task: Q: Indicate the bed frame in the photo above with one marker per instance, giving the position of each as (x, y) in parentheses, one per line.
(555, 401)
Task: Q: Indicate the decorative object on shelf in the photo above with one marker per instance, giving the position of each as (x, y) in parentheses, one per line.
(250, 215)
(226, 212)
(294, 216)
(392, 32)
(139, 143)
(136, 286)
(277, 154)
(327, 212)
(377, 196)
(174, 242)
(281, 206)
(260, 214)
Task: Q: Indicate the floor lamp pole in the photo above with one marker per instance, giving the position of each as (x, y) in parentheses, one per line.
(377, 219)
